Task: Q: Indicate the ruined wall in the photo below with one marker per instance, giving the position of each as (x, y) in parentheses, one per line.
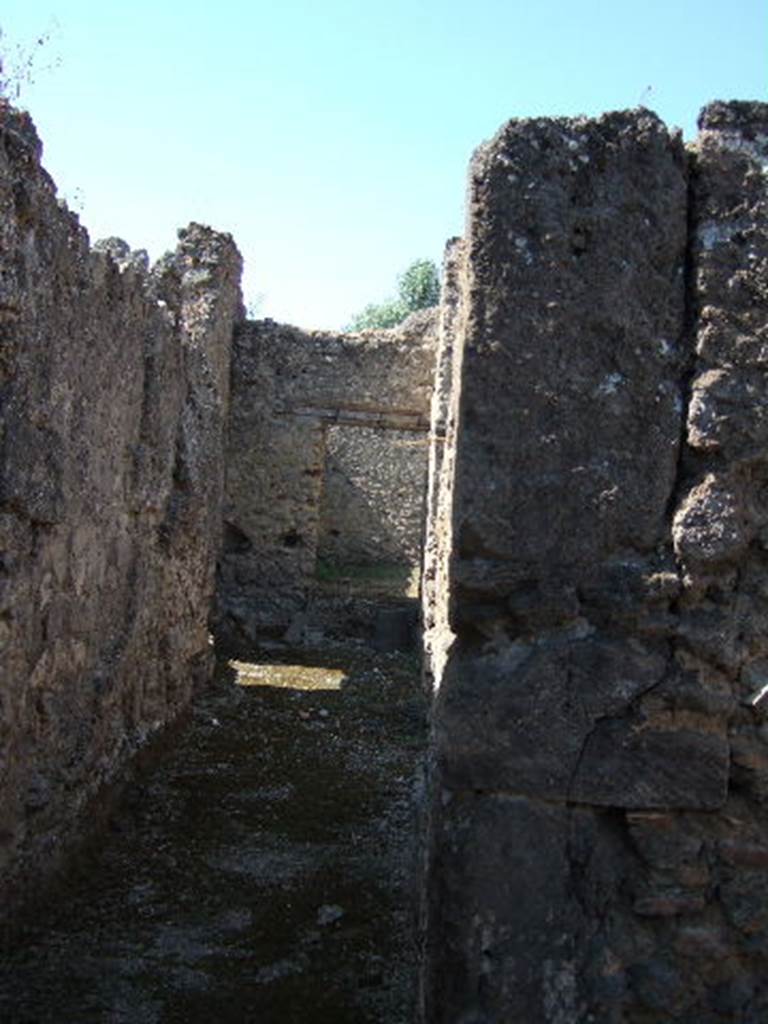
(599, 833)
(113, 398)
(327, 451)
(372, 503)
(438, 534)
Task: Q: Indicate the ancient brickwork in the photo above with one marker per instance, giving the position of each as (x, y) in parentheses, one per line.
(327, 458)
(113, 399)
(599, 837)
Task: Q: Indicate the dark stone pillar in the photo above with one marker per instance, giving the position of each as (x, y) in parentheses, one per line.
(550, 696)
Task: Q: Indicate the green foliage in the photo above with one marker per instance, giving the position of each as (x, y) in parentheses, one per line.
(418, 288)
(384, 314)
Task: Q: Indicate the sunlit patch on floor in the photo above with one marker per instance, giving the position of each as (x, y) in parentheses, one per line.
(288, 677)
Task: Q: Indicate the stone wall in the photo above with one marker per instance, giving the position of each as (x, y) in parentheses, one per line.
(438, 534)
(327, 456)
(599, 833)
(372, 503)
(113, 398)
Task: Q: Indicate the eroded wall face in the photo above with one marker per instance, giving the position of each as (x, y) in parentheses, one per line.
(372, 506)
(114, 388)
(326, 463)
(599, 836)
(438, 533)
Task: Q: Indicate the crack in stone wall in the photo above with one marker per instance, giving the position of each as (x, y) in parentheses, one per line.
(598, 835)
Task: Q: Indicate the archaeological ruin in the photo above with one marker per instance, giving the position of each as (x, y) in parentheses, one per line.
(570, 455)
(326, 471)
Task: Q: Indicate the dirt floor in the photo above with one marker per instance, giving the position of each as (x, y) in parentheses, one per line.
(263, 869)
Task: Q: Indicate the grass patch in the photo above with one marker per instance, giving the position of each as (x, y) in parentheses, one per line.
(402, 580)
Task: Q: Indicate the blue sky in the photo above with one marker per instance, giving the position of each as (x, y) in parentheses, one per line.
(332, 138)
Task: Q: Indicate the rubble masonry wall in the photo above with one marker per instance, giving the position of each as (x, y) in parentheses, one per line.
(114, 389)
(599, 644)
(596, 558)
(327, 460)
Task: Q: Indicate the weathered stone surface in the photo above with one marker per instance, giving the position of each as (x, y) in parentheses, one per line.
(518, 889)
(572, 343)
(114, 398)
(372, 506)
(438, 527)
(712, 526)
(604, 581)
(563, 717)
(570, 415)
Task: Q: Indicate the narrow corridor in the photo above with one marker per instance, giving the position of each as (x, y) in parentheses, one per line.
(263, 869)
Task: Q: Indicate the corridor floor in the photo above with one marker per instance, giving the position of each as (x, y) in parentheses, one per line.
(263, 869)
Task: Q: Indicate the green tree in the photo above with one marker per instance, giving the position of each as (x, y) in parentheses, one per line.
(418, 287)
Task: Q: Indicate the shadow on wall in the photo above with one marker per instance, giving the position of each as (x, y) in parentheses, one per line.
(372, 505)
(599, 738)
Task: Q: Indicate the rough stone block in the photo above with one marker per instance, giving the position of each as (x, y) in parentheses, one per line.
(513, 884)
(570, 396)
(562, 718)
(599, 598)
